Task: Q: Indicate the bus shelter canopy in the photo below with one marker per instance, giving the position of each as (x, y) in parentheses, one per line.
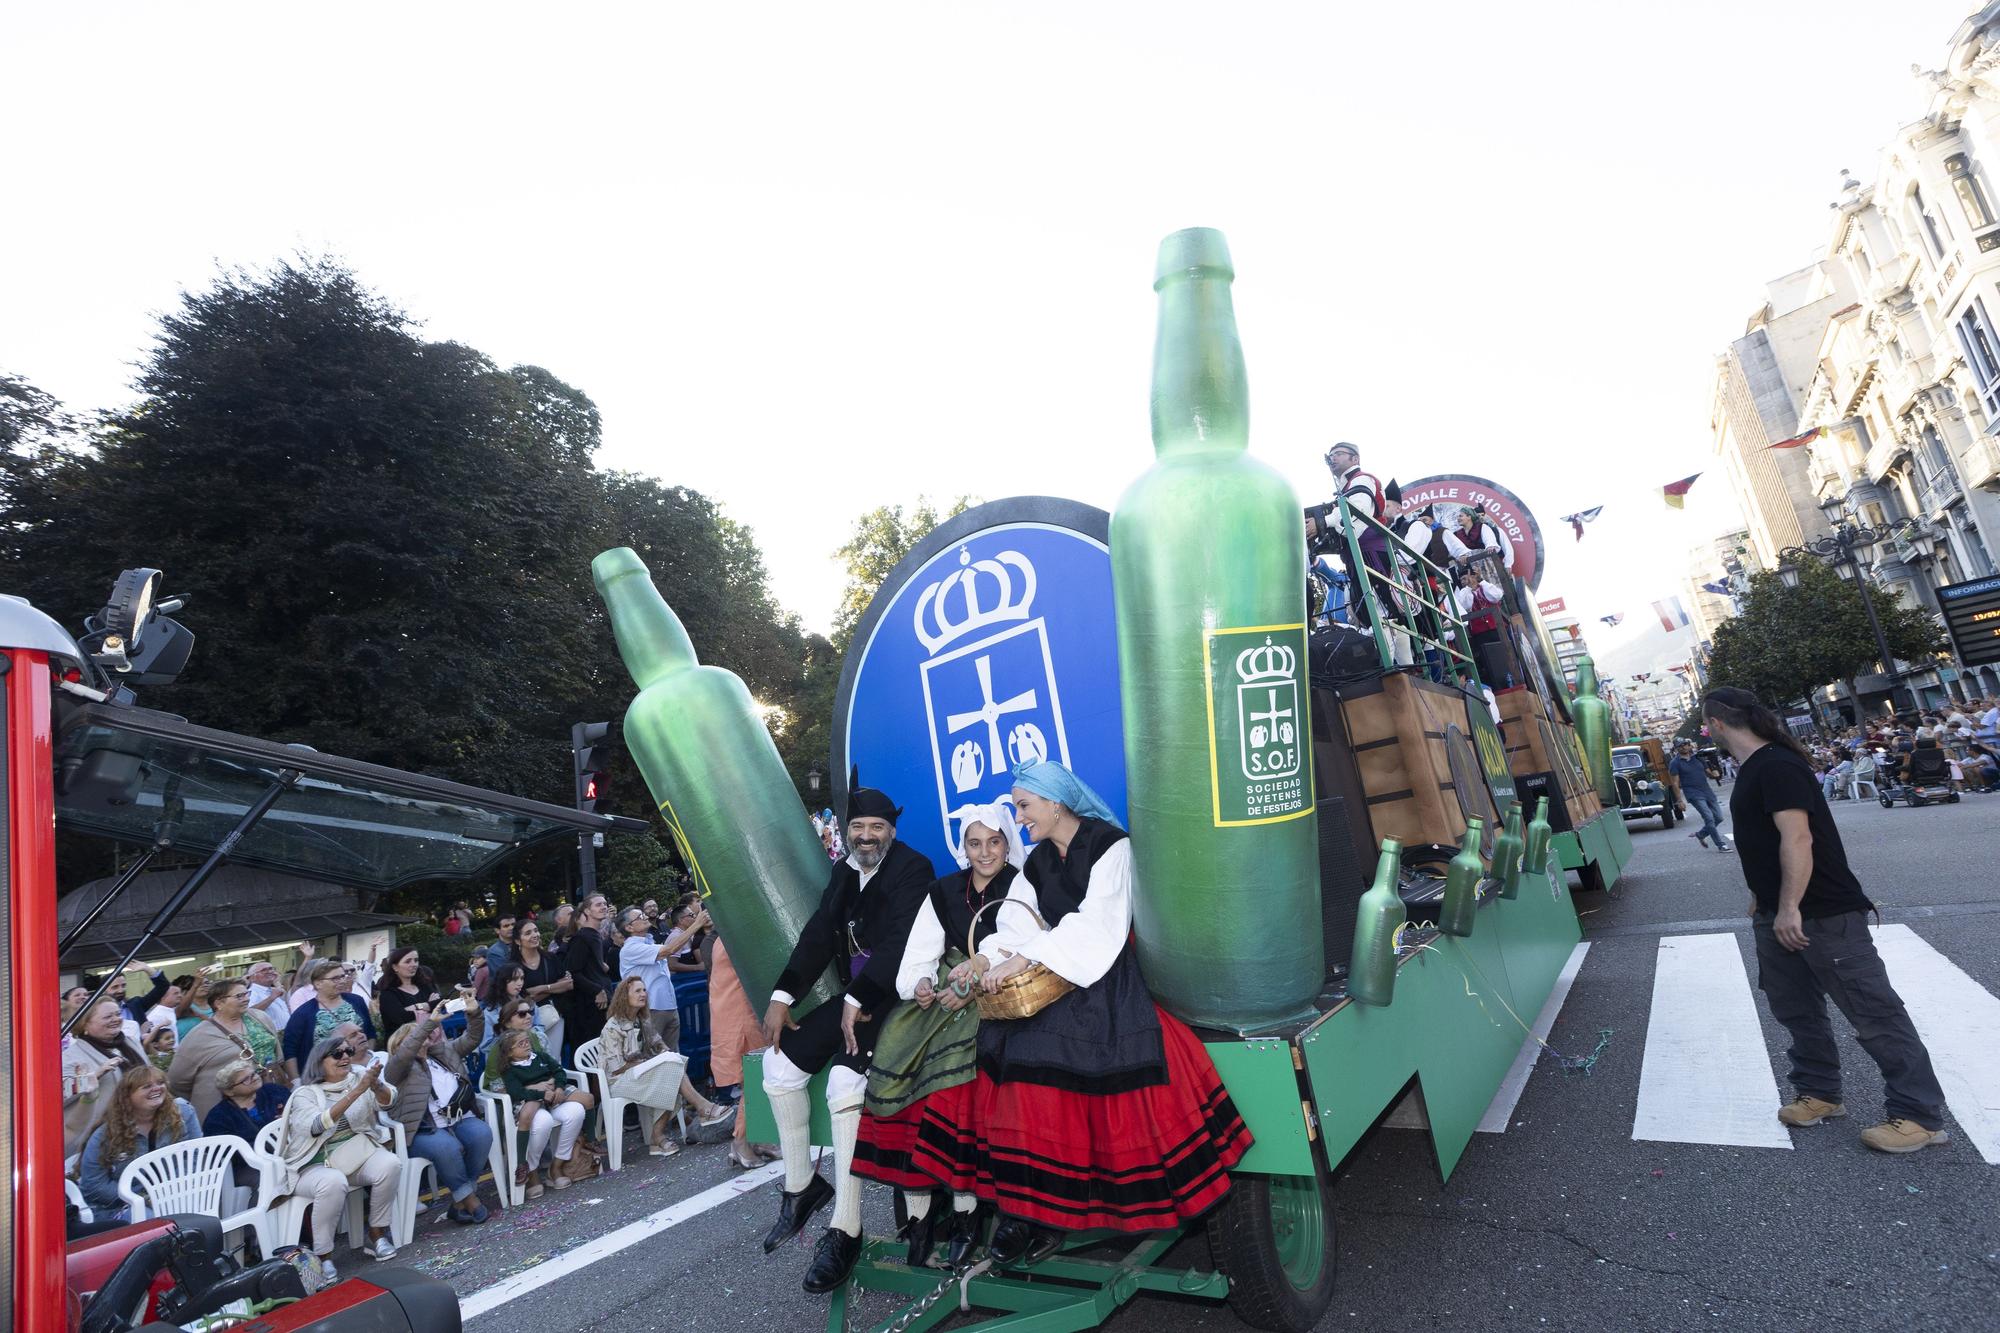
(135, 775)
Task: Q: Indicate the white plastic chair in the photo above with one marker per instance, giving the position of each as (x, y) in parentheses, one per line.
(409, 1184)
(189, 1177)
(75, 1196)
(285, 1222)
(500, 1118)
(611, 1110)
(1857, 782)
(499, 1108)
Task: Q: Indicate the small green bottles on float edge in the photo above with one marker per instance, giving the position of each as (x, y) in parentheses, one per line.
(1535, 851)
(1371, 975)
(1461, 883)
(726, 797)
(1593, 730)
(1206, 549)
(1507, 850)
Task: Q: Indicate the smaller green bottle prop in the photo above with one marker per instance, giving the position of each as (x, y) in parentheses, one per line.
(1461, 882)
(1535, 853)
(724, 792)
(1507, 850)
(1371, 976)
(1593, 730)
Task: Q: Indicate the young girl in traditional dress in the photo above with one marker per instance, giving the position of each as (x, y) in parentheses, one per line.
(927, 1049)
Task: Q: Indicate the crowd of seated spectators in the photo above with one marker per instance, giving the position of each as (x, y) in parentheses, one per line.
(204, 1055)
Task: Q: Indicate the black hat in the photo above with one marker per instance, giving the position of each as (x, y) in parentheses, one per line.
(867, 802)
(1393, 492)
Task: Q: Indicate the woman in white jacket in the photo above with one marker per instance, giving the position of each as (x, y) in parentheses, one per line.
(333, 1141)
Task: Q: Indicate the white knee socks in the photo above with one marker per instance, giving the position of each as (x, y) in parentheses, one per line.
(962, 1202)
(917, 1203)
(794, 1116)
(785, 1084)
(846, 1189)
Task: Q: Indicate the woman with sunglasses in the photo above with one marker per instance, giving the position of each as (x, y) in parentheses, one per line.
(334, 1001)
(334, 1141)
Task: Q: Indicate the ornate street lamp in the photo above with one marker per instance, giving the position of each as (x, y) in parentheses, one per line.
(1839, 550)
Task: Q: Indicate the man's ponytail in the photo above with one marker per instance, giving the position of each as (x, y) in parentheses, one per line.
(1741, 708)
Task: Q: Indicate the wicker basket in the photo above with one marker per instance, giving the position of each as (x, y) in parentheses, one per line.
(1027, 992)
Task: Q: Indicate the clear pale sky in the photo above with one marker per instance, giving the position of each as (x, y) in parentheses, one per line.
(813, 258)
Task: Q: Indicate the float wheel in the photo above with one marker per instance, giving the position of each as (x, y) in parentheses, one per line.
(1272, 1237)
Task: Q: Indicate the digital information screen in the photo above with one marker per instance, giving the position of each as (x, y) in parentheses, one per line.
(1972, 614)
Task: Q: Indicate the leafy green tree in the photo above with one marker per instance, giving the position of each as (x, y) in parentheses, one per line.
(1788, 642)
(386, 541)
(882, 537)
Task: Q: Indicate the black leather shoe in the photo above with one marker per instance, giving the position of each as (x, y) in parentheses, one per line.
(1044, 1245)
(1018, 1243)
(921, 1233)
(833, 1259)
(795, 1210)
(961, 1237)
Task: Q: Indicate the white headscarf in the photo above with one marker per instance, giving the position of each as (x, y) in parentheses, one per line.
(998, 816)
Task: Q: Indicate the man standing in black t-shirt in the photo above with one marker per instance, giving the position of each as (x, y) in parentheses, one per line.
(1811, 923)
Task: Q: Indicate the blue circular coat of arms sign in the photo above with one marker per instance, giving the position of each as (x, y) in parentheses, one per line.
(992, 643)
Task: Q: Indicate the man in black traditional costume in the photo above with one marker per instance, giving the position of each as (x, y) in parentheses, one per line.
(861, 926)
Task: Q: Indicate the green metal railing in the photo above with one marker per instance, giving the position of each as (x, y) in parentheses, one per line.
(1430, 621)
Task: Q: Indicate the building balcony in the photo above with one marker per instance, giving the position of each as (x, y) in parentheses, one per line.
(1883, 456)
(1980, 464)
(1939, 492)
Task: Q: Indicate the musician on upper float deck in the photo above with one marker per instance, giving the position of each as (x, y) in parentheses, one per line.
(862, 923)
(928, 1047)
(1100, 1110)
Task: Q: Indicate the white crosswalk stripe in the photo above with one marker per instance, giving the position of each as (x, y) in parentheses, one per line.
(1959, 1020)
(1707, 1074)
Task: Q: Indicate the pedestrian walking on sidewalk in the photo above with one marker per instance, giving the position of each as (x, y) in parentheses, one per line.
(1693, 778)
(1811, 922)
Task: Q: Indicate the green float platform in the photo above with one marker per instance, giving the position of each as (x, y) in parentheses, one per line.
(1310, 1094)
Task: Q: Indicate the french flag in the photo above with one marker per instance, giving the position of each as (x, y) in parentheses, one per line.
(1672, 615)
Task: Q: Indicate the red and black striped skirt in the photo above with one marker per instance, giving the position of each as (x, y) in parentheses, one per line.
(1141, 1160)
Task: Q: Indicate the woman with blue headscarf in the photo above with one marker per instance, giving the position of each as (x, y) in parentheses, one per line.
(1100, 1110)
(924, 1056)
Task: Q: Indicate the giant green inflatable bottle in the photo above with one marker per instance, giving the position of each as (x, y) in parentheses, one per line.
(1206, 553)
(724, 792)
(1593, 730)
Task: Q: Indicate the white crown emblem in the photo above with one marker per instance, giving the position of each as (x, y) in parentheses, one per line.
(1270, 662)
(1004, 593)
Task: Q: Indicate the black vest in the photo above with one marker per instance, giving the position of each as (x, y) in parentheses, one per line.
(954, 902)
(1097, 1039)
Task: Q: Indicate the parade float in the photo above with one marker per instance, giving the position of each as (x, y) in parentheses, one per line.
(1350, 883)
(81, 756)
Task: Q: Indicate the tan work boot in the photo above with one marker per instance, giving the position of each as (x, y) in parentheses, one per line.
(1802, 1111)
(1902, 1136)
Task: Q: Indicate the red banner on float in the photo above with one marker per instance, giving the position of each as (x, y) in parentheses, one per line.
(1506, 510)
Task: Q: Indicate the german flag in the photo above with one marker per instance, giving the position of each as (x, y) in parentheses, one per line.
(1675, 492)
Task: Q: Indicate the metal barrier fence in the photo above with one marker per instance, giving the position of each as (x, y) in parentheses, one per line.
(1430, 620)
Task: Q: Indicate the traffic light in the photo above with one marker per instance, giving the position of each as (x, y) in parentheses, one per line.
(589, 791)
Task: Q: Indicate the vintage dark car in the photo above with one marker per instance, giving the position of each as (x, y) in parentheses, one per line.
(1643, 789)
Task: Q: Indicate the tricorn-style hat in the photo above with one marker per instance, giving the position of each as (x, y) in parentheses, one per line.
(1393, 492)
(867, 802)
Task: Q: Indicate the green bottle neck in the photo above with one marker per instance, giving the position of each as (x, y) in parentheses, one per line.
(650, 636)
(1201, 396)
(1586, 677)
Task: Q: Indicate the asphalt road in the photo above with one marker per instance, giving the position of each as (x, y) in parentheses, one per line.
(1564, 1221)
